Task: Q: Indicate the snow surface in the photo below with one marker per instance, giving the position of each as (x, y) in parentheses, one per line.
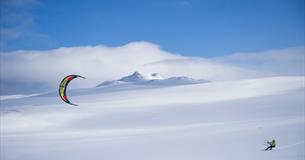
(227, 120)
(16, 96)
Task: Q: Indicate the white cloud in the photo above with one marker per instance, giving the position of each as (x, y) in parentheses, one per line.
(289, 61)
(200, 68)
(23, 68)
(35, 71)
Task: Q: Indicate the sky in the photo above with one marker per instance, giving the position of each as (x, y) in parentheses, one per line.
(201, 28)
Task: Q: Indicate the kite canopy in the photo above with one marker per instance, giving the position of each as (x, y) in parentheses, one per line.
(63, 87)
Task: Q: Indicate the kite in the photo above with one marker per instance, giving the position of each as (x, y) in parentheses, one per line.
(63, 87)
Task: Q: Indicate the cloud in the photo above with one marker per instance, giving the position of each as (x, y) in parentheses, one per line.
(289, 61)
(23, 70)
(37, 71)
(200, 68)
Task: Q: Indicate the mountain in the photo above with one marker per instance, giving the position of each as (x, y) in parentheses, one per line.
(153, 79)
(135, 77)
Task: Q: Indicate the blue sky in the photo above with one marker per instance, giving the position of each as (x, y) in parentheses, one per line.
(204, 28)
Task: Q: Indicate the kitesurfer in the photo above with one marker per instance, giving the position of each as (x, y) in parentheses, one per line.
(271, 145)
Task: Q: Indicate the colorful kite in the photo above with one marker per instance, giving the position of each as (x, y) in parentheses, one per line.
(63, 87)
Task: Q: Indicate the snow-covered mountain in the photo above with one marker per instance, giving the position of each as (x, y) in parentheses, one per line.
(152, 79)
(135, 77)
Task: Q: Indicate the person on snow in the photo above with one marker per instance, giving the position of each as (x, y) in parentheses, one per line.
(271, 145)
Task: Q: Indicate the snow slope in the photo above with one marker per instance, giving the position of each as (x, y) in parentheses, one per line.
(17, 96)
(214, 121)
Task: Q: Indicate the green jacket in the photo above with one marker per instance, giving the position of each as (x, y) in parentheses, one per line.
(272, 143)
